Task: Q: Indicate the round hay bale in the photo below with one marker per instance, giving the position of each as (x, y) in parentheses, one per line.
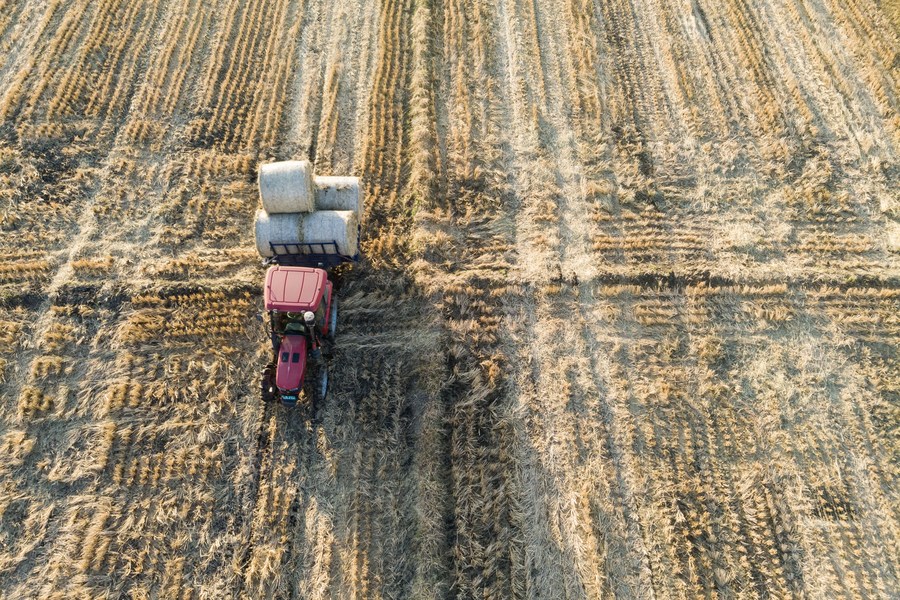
(284, 228)
(287, 187)
(339, 193)
(340, 226)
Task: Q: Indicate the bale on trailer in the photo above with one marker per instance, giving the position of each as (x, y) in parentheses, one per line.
(287, 187)
(285, 228)
(339, 193)
(340, 226)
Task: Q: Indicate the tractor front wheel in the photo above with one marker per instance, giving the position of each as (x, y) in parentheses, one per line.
(267, 387)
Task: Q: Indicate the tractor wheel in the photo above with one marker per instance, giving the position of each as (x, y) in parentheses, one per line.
(320, 385)
(267, 387)
(333, 318)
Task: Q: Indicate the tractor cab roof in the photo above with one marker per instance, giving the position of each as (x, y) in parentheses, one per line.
(294, 289)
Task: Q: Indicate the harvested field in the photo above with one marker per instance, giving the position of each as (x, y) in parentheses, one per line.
(627, 323)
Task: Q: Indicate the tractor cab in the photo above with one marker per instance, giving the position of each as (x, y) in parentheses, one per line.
(302, 318)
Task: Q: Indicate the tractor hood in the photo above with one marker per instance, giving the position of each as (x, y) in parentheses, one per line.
(294, 289)
(291, 363)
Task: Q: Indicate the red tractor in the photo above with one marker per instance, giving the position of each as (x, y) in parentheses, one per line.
(303, 314)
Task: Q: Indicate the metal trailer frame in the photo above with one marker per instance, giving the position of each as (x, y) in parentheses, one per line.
(319, 255)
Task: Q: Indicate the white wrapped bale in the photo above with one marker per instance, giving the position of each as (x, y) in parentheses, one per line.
(287, 187)
(340, 226)
(339, 193)
(286, 228)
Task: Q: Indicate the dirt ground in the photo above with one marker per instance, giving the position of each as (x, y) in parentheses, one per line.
(627, 322)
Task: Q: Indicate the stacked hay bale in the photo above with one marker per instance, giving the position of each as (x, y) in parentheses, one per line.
(298, 207)
(287, 187)
(338, 193)
(280, 228)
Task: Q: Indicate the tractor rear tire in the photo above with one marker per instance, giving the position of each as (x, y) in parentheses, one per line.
(320, 386)
(267, 388)
(333, 319)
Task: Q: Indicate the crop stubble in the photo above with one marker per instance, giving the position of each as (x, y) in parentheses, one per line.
(627, 322)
